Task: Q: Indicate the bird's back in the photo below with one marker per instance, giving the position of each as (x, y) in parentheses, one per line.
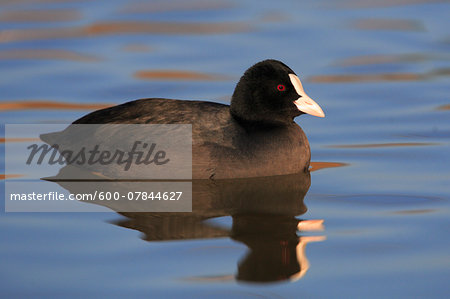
(221, 146)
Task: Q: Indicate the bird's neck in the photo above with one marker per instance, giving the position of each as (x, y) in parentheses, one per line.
(255, 124)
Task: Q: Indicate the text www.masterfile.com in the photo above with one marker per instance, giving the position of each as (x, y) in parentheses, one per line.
(99, 195)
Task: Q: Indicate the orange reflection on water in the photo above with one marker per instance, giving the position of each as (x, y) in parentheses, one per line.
(163, 27)
(444, 107)
(376, 145)
(49, 105)
(311, 225)
(10, 176)
(45, 54)
(52, 15)
(177, 75)
(9, 140)
(321, 165)
(388, 24)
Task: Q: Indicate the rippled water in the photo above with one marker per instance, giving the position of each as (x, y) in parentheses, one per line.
(380, 179)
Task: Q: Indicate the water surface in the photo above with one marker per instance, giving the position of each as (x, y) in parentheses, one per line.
(380, 177)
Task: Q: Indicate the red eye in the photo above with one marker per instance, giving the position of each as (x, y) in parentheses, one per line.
(281, 87)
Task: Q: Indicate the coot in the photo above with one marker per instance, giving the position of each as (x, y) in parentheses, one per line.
(255, 136)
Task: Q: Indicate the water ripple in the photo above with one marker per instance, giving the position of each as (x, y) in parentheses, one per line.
(49, 54)
(383, 59)
(384, 3)
(388, 24)
(389, 77)
(112, 28)
(385, 199)
(49, 105)
(40, 16)
(165, 6)
(443, 107)
(177, 75)
(377, 145)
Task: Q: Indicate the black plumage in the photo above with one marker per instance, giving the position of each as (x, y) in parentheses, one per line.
(255, 136)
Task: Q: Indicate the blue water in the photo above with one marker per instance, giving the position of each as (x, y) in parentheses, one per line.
(380, 70)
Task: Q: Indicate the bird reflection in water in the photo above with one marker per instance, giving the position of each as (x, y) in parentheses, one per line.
(264, 213)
